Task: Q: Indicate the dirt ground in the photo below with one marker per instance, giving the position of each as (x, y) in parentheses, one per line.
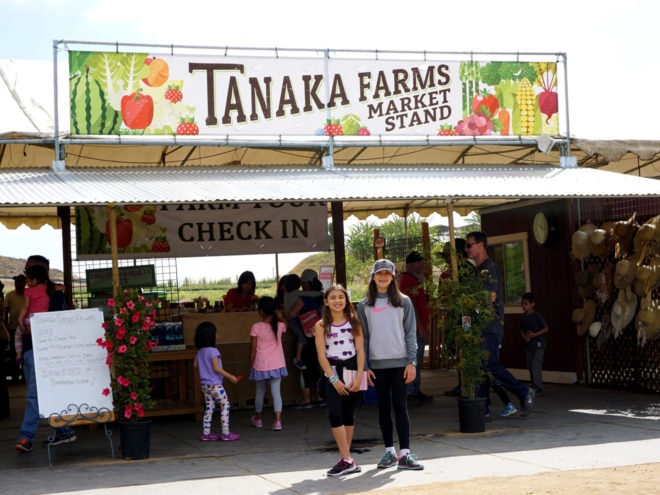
(638, 480)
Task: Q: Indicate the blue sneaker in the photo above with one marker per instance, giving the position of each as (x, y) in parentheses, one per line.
(508, 410)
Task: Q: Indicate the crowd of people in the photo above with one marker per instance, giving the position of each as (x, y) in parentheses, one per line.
(340, 350)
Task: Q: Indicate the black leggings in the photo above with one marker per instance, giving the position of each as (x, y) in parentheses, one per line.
(392, 390)
(310, 359)
(341, 408)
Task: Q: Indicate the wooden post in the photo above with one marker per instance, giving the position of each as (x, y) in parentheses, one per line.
(452, 240)
(377, 255)
(112, 219)
(277, 270)
(64, 213)
(337, 208)
(426, 248)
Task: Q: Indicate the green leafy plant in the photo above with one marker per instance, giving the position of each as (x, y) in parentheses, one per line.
(127, 340)
(457, 300)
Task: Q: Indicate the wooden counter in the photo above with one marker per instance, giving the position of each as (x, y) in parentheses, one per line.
(176, 382)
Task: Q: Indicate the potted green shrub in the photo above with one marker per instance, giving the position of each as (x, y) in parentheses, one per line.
(128, 342)
(467, 309)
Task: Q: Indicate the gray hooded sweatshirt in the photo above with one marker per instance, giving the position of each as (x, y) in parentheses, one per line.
(390, 339)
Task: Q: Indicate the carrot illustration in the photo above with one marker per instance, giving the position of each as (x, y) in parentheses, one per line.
(504, 118)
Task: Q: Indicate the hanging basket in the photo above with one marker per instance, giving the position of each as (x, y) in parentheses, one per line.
(135, 438)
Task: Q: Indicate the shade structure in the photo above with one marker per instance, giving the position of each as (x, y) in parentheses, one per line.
(364, 190)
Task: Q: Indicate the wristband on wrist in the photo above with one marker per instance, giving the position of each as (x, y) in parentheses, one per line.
(333, 379)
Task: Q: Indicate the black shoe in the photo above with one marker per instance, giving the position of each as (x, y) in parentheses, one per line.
(423, 398)
(343, 467)
(527, 403)
(59, 439)
(24, 445)
(409, 462)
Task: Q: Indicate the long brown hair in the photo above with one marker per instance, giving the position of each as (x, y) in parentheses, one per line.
(393, 294)
(349, 312)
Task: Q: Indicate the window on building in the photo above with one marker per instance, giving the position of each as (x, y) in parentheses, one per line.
(511, 256)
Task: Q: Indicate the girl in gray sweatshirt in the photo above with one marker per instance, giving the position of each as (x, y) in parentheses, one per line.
(388, 322)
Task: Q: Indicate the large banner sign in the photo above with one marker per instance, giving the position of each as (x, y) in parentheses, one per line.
(211, 229)
(139, 93)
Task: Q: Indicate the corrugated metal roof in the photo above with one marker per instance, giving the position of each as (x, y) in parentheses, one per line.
(419, 184)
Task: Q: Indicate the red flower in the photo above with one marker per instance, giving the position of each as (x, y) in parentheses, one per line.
(100, 342)
(134, 396)
(111, 303)
(105, 326)
(136, 317)
(138, 405)
(140, 413)
(130, 305)
(148, 304)
(122, 311)
(108, 360)
(128, 411)
(106, 391)
(133, 339)
(122, 349)
(119, 322)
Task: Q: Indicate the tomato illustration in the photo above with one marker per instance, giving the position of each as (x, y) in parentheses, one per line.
(485, 103)
(124, 231)
(133, 208)
(137, 110)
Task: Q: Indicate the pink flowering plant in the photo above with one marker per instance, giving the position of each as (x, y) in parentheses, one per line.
(128, 342)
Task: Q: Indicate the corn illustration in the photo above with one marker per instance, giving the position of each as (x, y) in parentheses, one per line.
(526, 103)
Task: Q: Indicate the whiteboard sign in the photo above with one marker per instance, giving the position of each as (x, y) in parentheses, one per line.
(70, 366)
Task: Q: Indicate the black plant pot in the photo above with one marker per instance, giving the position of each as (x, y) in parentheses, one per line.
(135, 439)
(472, 415)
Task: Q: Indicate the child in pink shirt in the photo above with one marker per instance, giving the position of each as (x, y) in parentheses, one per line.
(36, 300)
(267, 360)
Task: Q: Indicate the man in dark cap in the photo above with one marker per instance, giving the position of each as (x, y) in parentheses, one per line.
(411, 284)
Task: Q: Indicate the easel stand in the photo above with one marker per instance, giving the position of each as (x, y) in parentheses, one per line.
(81, 414)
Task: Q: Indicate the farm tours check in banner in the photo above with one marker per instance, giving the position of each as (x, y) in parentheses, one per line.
(139, 93)
(209, 229)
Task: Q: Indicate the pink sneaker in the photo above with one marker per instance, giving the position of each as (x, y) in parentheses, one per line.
(277, 426)
(228, 437)
(256, 422)
(209, 437)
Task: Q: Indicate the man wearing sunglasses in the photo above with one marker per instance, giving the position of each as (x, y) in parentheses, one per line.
(475, 248)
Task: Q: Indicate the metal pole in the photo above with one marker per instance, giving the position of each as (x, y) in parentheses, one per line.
(568, 120)
(169, 47)
(55, 108)
(329, 160)
(337, 208)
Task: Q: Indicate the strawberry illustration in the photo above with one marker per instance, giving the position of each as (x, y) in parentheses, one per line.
(148, 217)
(333, 128)
(160, 245)
(363, 131)
(173, 94)
(446, 130)
(187, 127)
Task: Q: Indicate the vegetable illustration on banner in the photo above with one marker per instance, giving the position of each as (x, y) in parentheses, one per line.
(189, 95)
(507, 98)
